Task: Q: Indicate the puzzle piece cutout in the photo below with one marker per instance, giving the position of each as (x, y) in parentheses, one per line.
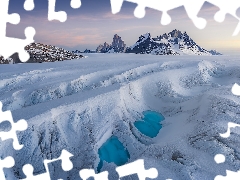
(52, 14)
(230, 125)
(227, 7)
(230, 175)
(61, 15)
(87, 173)
(192, 9)
(137, 167)
(66, 166)
(7, 48)
(29, 5)
(8, 162)
(21, 125)
(164, 6)
(220, 158)
(236, 89)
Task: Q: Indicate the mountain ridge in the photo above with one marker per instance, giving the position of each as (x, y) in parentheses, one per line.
(42, 53)
(172, 43)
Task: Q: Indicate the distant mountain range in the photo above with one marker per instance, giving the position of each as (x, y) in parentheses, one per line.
(42, 53)
(117, 46)
(172, 43)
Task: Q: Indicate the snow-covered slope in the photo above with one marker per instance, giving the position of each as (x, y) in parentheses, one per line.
(173, 43)
(78, 105)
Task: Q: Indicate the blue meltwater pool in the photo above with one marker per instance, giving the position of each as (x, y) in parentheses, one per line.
(150, 125)
(112, 151)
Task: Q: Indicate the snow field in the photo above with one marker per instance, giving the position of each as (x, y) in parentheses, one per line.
(77, 105)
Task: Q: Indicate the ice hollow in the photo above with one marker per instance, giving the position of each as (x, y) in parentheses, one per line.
(150, 124)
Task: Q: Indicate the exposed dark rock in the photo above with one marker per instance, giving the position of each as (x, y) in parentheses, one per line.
(44, 53)
(89, 51)
(103, 48)
(76, 51)
(117, 46)
(214, 52)
(173, 43)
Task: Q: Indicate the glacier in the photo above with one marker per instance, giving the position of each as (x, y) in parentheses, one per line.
(78, 105)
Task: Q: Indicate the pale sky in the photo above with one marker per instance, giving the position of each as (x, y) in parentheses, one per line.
(94, 24)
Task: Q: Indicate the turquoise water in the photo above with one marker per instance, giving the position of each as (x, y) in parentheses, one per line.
(150, 124)
(112, 151)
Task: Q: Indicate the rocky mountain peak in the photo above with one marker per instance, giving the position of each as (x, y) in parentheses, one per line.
(117, 46)
(175, 33)
(144, 37)
(174, 42)
(118, 42)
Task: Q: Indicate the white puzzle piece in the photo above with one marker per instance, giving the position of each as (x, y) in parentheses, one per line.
(12, 134)
(66, 166)
(192, 9)
(8, 162)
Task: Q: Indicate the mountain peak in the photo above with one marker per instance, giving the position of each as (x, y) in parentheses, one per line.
(147, 34)
(144, 37)
(116, 46)
(175, 33)
(175, 42)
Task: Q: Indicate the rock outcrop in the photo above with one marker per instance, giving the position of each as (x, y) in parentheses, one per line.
(43, 53)
(117, 46)
(103, 48)
(6, 61)
(214, 52)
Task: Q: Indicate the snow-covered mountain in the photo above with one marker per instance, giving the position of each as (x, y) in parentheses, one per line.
(147, 45)
(117, 46)
(173, 43)
(42, 53)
